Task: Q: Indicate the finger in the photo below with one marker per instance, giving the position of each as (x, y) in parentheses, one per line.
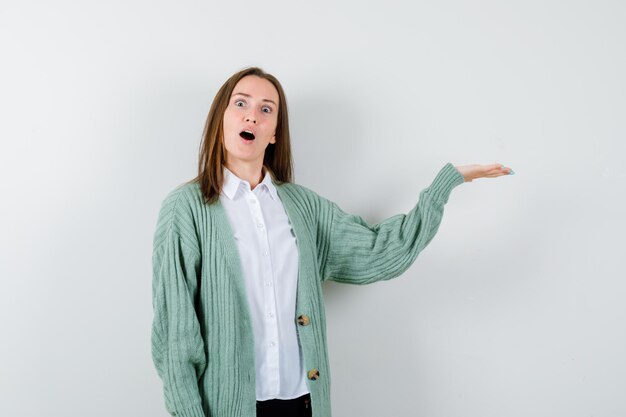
(496, 171)
(495, 167)
(501, 168)
(499, 174)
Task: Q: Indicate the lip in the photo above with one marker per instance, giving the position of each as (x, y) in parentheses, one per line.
(246, 142)
(249, 129)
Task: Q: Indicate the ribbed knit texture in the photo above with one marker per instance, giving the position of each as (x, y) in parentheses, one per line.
(202, 340)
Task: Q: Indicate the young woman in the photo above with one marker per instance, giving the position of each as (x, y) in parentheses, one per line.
(240, 254)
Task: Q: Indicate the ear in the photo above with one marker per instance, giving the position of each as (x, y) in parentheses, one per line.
(273, 140)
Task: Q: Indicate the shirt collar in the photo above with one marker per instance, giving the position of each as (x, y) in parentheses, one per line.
(232, 183)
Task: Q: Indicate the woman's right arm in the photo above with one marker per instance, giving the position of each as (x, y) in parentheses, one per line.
(177, 345)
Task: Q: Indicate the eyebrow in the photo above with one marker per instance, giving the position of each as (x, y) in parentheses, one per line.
(248, 95)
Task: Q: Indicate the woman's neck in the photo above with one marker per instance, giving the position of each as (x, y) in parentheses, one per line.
(254, 175)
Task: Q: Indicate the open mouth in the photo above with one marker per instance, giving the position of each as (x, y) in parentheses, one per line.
(247, 135)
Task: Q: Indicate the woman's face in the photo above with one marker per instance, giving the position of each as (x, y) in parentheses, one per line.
(253, 107)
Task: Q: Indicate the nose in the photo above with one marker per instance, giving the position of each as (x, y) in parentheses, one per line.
(251, 119)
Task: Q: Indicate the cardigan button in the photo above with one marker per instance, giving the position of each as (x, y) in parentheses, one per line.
(303, 320)
(314, 374)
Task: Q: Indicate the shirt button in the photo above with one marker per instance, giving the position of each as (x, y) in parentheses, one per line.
(270, 314)
(314, 374)
(303, 320)
(260, 225)
(253, 201)
(266, 253)
(272, 344)
(268, 283)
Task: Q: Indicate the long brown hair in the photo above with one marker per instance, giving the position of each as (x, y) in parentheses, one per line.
(277, 159)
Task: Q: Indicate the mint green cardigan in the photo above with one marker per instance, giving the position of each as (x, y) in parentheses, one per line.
(202, 340)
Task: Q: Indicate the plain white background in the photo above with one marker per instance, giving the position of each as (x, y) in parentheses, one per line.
(516, 308)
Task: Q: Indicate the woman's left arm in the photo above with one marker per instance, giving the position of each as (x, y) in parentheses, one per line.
(354, 252)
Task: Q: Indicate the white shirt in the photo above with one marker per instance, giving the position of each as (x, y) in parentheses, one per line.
(269, 261)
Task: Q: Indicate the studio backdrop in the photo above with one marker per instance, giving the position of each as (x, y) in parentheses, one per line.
(516, 308)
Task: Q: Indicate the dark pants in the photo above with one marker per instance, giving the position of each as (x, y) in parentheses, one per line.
(297, 407)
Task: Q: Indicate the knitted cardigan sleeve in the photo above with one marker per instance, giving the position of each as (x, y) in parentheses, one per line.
(177, 345)
(354, 252)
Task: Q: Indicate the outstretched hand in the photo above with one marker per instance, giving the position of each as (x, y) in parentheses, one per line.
(471, 172)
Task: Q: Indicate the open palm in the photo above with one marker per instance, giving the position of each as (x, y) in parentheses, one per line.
(471, 172)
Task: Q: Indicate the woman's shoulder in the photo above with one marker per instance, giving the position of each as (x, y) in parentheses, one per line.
(303, 195)
(181, 204)
(298, 190)
(186, 193)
